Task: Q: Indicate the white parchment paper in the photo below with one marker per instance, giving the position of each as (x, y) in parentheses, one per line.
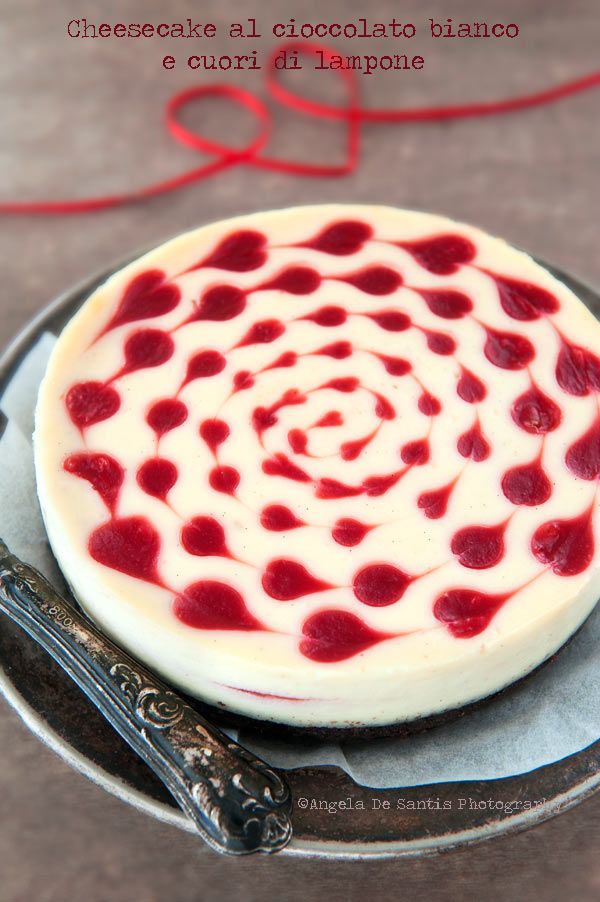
(553, 714)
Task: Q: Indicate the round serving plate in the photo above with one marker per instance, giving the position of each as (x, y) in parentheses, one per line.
(333, 817)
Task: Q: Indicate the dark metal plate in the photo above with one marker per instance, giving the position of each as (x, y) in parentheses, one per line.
(333, 816)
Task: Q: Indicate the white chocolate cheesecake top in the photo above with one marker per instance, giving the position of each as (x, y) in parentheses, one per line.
(328, 465)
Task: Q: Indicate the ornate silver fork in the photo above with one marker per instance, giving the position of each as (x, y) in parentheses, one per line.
(236, 801)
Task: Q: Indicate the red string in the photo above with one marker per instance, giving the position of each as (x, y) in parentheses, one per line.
(352, 113)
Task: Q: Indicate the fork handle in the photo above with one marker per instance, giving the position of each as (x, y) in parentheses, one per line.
(236, 801)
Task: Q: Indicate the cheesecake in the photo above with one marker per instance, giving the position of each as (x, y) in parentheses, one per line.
(331, 466)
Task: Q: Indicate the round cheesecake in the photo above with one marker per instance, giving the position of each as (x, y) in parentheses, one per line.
(329, 466)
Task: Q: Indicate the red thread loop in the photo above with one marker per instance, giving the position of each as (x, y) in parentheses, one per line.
(352, 113)
(243, 98)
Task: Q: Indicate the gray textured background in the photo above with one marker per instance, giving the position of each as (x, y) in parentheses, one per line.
(85, 116)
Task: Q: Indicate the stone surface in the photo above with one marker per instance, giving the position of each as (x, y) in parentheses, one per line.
(85, 117)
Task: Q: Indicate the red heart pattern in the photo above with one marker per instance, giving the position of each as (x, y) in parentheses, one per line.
(290, 429)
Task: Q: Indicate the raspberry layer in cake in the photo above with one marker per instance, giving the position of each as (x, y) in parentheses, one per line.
(330, 466)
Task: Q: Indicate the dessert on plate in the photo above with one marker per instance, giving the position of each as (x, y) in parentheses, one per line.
(329, 466)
